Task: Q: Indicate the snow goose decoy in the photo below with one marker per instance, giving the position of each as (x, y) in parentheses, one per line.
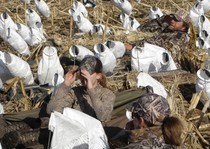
(202, 44)
(99, 29)
(89, 3)
(43, 8)
(124, 5)
(18, 68)
(204, 23)
(79, 52)
(129, 23)
(195, 12)
(206, 5)
(155, 12)
(4, 71)
(106, 56)
(36, 37)
(78, 8)
(17, 42)
(32, 17)
(39, 27)
(83, 24)
(117, 48)
(30, 35)
(6, 22)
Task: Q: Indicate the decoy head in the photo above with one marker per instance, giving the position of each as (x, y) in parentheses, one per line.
(75, 50)
(100, 48)
(109, 44)
(4, 15)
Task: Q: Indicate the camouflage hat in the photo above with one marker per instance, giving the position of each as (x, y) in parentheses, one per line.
(170, 17)
(184, 15)
(151, 107)
(92, 64)
(176, 17)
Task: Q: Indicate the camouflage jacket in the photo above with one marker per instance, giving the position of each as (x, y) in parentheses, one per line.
(98, 102)
(149, 138)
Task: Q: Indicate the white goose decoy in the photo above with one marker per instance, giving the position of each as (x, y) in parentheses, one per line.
(43, 8)
(202, 44)
(32, 17)
(129, 23)
(77, 9)
(18, 67)
(25, 1)
(36, 37)
(30, 35)
(117, 48)
(83, 24)
(124, 18)
(49, 65)
(203, 80)
(155, 12)
(206, 5)
(124, 5)
(203, 23)
(4, 71)
(6, 22)
(195, 12)
(106, 56)
(79, 52)
(99, 29)
(134, 24)
(89, 3)
(39, 27)
(23, 31)
(204, 35)
(17, 42)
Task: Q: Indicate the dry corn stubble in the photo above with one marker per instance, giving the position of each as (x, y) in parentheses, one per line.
(60, 30)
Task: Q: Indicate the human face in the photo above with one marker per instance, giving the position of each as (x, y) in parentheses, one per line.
(88, 80)
(136, 123)
(174, 22)
(176, 25)
(139, 123)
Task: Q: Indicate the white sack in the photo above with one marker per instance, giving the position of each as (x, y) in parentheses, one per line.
(151, 58)
(144, 79)
(49, 65)
(75, 129)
